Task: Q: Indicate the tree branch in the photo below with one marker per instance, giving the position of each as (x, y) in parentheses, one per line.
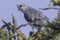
(49, 8)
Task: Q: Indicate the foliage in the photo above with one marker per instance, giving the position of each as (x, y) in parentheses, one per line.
(56, 2)
(3, 34)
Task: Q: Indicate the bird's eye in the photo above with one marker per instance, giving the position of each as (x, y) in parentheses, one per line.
(20, 5)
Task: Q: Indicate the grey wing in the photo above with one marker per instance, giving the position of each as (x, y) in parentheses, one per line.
(36, 17)
(43, 16)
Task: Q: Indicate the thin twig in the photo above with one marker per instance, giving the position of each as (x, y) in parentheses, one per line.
(49, 8)
(28, 24)
(22, 25)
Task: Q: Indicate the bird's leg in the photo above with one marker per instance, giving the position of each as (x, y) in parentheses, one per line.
(39, 29)
(34, 30)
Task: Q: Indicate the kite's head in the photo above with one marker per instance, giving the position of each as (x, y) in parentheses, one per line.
(22, 7)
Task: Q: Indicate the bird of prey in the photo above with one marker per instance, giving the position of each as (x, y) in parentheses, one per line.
(33, 15)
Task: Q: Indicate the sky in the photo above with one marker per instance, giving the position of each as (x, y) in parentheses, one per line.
(8, 7)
